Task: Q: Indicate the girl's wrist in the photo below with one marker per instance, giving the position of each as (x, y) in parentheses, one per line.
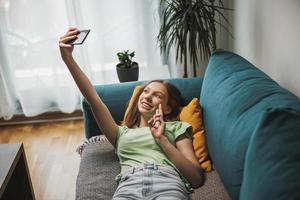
(162, 140)
(68, 58)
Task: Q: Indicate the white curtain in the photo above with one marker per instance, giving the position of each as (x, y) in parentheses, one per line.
(33, 77)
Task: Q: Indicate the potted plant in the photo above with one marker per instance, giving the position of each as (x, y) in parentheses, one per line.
(127, 69)
(191, 26)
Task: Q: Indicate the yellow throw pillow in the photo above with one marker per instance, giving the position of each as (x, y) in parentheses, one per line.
(192, 114)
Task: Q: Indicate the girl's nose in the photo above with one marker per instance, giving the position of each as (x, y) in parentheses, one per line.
(148, 97)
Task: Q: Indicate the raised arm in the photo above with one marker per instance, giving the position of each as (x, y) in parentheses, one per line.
(99, 109)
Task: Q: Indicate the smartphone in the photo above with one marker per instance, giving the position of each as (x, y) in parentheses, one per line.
(80, 37)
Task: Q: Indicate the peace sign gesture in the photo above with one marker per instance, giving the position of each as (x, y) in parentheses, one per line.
(157, 123)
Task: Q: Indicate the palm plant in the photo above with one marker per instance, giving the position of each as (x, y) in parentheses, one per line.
(191, 26)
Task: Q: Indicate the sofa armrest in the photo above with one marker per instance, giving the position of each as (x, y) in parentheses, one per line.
(116, 97)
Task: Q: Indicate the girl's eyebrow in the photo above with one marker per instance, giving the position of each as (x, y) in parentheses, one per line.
(155, 91)
(159, 92)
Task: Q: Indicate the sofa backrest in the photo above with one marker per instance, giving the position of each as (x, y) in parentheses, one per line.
(242, 108)
(116, 97)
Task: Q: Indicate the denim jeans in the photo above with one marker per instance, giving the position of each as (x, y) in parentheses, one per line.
(151, 181)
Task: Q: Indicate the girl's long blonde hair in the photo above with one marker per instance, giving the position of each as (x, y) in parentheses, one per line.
(175, 101)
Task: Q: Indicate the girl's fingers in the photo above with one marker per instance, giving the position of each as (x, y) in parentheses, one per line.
(157, 119)
(157, 124)
(66, 39)
(72, 28)
(74, 32)
(65, 45)
(152, 121)
(71, 34)
(156, 116)
(160, 109)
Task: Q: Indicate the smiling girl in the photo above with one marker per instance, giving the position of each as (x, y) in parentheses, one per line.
(155, 150)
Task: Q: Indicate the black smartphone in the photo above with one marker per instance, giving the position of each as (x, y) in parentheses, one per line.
(80, 37)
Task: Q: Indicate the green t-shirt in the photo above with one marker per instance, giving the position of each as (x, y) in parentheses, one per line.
(137, 146)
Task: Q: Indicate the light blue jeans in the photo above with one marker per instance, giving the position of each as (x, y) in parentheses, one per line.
(151, 181)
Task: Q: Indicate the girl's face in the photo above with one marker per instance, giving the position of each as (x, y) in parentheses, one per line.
(153, 94)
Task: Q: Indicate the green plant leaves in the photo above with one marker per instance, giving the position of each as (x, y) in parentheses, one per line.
(125, 58)
(190, 25)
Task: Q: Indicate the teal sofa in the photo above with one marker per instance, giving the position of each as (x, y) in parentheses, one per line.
(252, 131)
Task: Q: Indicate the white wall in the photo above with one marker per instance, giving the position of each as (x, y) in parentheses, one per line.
(267, 33)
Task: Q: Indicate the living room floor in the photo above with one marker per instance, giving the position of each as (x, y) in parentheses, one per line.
(52, 159)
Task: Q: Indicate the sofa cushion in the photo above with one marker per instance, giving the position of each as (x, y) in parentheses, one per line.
(272, 162)
(192, 114)
(234, 96)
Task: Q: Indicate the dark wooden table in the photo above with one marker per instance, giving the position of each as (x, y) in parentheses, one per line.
(15, 182)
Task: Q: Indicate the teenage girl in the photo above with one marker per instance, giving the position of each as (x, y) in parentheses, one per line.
(155, 150)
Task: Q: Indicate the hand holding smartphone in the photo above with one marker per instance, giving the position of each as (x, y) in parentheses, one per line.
(81, 36)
